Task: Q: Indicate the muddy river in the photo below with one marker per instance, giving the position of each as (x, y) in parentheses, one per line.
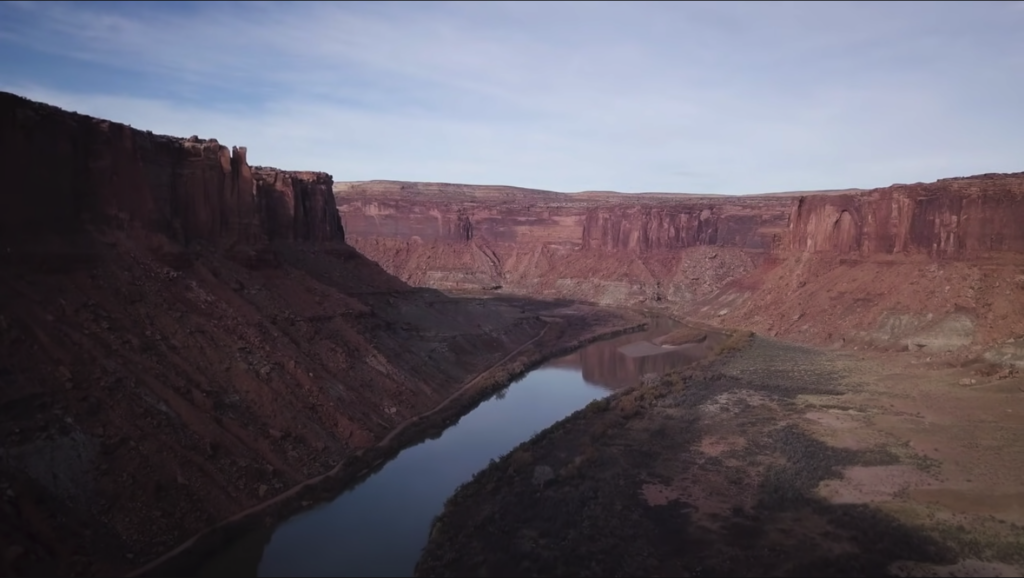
(378, 527)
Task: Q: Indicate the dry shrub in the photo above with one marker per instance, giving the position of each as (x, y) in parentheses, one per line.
(676, 381)
(650, 380)
(630, 405)
(575, 468)
(518, 460)
(598, 428)
(737, 341)
(597, 406)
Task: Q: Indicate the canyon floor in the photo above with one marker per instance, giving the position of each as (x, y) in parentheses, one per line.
(773, 460)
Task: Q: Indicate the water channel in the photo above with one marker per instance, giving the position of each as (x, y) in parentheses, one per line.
(379, 527)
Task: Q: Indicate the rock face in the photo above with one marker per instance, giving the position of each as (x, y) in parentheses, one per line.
(599, 247)
(107, 174)
(297, 206)
(426, 212)
(957, 218)
(828, 267)
(651, 228)
(183, 336)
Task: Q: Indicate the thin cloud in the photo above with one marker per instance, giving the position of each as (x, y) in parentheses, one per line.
(567, 96)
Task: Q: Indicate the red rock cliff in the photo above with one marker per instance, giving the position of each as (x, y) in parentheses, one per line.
(600, 221)
(950, 218)
(298, 206)
(106, 174)
(679, 225)
(602, 247)
(782, 263)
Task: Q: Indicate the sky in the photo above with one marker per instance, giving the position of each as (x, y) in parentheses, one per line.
(716, 97)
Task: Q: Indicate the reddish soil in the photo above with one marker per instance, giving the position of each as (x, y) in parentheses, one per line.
(776, 460)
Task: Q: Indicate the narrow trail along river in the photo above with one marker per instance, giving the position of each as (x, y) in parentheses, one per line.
(378, 527)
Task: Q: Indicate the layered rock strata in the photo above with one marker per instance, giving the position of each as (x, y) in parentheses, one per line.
(823, 267)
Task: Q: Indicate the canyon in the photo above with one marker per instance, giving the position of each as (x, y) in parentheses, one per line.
(189, 343)
(870, 427)
(184, 337)
(929, 266)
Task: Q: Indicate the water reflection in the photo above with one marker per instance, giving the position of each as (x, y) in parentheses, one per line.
(243, 558)
(379, 527)
(603, 364)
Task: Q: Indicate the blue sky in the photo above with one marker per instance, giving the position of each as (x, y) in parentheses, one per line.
(715, 97)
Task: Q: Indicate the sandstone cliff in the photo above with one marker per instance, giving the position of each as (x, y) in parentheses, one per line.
(595, 246)
(934, 266)
(297, 206)
(183, 336)
(105, 174)
(957, 218)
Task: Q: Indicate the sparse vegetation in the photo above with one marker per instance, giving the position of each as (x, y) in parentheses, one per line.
(737, 340)
(649, 469)
(981, 541)
(518, 459)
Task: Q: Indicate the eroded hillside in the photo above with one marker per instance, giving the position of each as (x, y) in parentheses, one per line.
(183, 336)
(936, 266)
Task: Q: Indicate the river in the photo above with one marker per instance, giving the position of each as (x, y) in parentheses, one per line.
(379, 527)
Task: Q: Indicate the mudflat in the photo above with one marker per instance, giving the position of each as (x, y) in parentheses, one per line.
(774, 460)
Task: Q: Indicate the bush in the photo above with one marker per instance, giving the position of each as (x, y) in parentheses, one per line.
(737, 341)
(650, 380)
(519, 459)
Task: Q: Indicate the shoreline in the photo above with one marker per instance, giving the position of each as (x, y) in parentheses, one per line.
(777, 459)
(353, 469)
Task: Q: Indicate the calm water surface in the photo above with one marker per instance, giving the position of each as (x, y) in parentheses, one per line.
(379, 527)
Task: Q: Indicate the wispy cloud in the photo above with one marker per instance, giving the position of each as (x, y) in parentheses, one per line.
(748, 96)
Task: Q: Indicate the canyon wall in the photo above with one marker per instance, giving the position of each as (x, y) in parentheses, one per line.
(935, 266)
(183, 336)
(600, 247)
(297, 206)
(427, 212)
(958, 218)
(72, 175)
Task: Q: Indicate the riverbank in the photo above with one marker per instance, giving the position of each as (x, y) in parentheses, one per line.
(567, 328)
(774, 459)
